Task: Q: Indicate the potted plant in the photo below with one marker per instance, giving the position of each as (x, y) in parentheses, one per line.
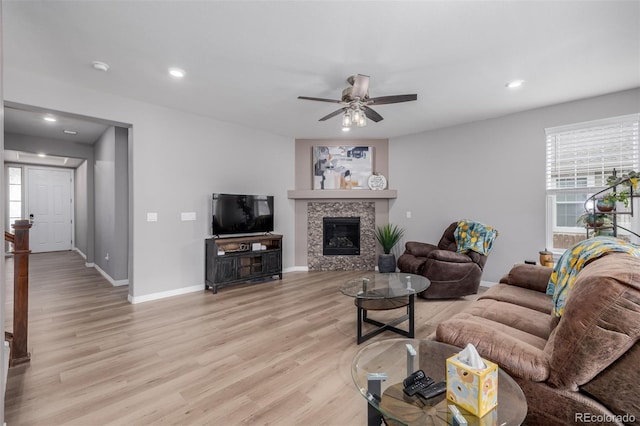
(606, 203)
(388, 236)
(597, 221)
(629, 179)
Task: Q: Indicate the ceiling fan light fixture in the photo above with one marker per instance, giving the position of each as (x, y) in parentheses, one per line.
(361, 119)
(346, 120)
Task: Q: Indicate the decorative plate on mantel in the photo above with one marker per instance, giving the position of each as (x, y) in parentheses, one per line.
(377, 182)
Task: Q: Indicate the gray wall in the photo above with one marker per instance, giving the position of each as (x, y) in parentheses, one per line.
(111, 203)
(492, 171)
(81, 208)
(178, 160)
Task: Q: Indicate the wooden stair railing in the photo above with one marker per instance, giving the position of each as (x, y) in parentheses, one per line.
(18, 338)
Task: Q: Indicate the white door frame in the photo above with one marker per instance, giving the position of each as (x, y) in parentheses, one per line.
(26, 169)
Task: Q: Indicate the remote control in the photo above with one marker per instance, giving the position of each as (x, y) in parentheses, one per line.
(415, 382)
(433, 390)
(413, 378)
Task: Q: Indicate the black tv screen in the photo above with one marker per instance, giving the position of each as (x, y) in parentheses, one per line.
(242, 214)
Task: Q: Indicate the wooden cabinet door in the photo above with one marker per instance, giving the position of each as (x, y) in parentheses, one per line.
(225, 269)
(272, 262)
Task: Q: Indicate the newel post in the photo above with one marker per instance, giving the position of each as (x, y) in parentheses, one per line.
(19, 353)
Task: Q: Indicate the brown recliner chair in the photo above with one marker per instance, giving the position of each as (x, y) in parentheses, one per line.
(451, 274)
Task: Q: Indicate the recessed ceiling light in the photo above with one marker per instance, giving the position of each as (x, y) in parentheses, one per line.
(346, 129)
(50, 119)
(515, 84)
(100, 66)
(70, 132)
(176, 72)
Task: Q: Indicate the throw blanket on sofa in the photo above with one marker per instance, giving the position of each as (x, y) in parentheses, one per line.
(474, 236)
(572, 260)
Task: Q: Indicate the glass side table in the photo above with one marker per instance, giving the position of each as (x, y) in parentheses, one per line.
(379, 368)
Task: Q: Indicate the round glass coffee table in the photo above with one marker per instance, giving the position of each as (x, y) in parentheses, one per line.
(379, 368)
(381, 292)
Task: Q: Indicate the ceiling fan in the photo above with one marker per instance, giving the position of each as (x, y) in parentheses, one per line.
(355, 102)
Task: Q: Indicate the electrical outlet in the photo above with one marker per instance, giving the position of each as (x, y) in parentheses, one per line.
(188, 216)
(106, 257)
(408, 214)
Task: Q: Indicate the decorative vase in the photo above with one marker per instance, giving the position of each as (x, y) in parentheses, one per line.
(546, 258)
(386, 263)
(605, 205)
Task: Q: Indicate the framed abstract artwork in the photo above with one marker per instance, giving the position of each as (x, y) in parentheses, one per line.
(342, 167)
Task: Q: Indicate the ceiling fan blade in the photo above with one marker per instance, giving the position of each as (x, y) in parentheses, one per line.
(319, 99)
(371, 114)
(360, 86)
(393, 99)
(333, 114)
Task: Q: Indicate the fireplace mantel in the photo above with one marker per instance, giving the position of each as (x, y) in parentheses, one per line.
(344, 194)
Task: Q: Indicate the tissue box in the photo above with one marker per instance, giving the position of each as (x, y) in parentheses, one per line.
(474, 390)
(489, 419)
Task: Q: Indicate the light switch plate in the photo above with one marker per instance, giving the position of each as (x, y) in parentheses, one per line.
(152, 217)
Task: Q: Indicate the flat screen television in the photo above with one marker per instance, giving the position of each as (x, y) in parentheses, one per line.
(241, 214)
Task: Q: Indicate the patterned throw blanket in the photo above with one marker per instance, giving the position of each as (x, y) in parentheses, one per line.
(572, 260)
(474, 236)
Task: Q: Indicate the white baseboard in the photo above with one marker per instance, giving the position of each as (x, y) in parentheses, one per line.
(296, 269)
(115, 283)
(165, 294)
(76, 249)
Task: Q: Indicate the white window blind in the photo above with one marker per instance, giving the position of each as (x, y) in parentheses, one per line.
(588, 152)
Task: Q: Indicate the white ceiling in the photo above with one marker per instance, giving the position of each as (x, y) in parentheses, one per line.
(30, 121)
(247, 62)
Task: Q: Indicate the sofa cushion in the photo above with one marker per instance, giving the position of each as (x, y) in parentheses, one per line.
(516, 351)
(519, 296)
(515, 316)
(601, 321)
(532, 277)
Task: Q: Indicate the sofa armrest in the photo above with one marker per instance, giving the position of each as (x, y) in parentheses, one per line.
(532, 277)
(419, 249)
(449, 256)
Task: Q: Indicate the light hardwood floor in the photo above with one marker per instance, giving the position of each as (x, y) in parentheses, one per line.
(274, 353)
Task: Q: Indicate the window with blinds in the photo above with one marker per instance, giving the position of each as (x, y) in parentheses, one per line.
(579, 159)
(590, 151)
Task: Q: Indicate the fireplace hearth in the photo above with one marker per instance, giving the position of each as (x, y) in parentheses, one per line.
(341, 236)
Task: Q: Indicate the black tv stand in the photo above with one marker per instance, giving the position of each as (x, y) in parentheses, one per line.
(236, 260)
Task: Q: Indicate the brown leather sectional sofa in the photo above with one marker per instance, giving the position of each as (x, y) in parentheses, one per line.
(581, 369)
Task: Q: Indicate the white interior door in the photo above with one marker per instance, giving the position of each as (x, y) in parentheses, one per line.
(49, 205)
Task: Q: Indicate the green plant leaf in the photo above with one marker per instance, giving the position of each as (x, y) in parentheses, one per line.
(388, 236)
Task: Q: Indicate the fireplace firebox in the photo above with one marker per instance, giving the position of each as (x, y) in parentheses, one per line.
(341, 236)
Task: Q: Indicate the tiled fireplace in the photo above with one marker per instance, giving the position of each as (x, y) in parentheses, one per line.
(313, 205)
(317, 260)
